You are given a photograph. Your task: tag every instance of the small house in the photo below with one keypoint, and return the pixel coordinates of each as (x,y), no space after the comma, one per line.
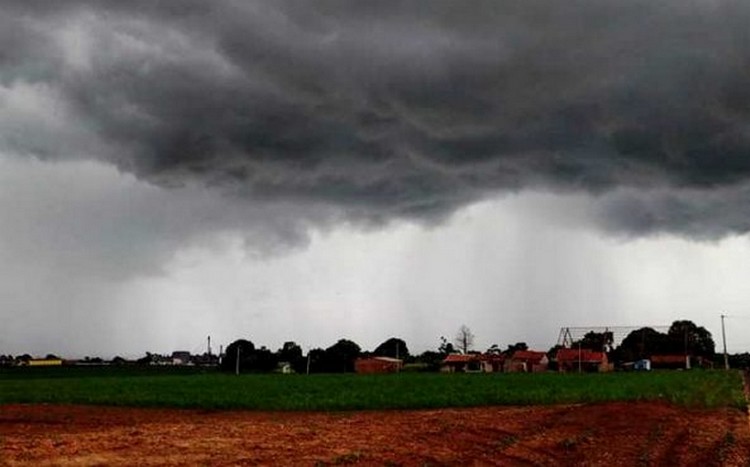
(527,361)
(571,360)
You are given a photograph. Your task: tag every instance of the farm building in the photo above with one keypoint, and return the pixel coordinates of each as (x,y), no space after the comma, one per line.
(472,363)
(378,365)
(570,360)
(529,361)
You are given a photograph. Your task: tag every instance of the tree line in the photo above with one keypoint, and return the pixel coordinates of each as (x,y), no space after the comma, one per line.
(682,338)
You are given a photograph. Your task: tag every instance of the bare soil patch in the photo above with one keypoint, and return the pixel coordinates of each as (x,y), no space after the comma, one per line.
(598,434)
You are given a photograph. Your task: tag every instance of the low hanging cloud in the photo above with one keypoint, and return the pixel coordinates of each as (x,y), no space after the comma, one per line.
(395,109)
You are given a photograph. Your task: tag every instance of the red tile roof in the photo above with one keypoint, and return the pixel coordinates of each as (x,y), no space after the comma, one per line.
(528,355)
(460,358)
(586,355)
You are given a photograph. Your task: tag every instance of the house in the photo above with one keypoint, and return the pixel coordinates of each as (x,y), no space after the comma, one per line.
(472,363)
(527,361)
(572,360)
(492,363)
(378,365)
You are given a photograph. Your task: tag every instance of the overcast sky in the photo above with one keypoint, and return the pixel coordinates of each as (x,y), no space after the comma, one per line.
(311,171)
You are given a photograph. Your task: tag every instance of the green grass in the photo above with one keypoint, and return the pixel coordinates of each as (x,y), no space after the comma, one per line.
(213,390)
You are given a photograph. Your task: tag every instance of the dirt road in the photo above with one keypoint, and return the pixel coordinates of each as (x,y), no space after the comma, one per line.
(601,434)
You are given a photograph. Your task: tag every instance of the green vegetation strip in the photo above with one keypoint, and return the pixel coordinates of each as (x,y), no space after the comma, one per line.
(212,390)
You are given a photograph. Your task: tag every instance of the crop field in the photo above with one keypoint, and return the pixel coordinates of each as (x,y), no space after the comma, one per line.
(169,416)
(193,388)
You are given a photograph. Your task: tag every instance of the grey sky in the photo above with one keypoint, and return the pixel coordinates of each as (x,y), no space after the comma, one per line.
(309,171)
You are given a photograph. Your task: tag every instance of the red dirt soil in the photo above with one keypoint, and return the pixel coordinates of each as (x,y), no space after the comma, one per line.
(598,434)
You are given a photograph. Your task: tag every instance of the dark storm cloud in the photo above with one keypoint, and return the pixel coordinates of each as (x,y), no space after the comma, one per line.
(398,109)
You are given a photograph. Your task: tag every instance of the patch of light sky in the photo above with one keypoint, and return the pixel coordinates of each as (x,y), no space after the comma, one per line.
(513,268)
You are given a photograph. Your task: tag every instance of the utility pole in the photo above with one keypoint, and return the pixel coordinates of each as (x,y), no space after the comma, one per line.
(209,346)
(687,355)
(398,367)
(308,361)
(724,339)
(580,369)
(237,363)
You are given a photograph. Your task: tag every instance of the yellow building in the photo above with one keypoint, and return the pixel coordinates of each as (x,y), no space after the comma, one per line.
(45,362)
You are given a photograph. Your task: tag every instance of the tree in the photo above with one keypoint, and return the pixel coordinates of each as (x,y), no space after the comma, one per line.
(642,343)
(445,347)
(340,357)
(263,360)
(430,360)
(292,353)
(688,338)
(246,350)
(552,357)
(683,337)
(494,350)
(317,358)
(394,348)
(512,348)
(464,339)
(598,341)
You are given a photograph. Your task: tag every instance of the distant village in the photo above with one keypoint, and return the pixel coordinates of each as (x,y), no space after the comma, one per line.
(684,345)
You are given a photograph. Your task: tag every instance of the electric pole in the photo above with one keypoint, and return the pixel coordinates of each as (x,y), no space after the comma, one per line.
(237,363)
(724,339)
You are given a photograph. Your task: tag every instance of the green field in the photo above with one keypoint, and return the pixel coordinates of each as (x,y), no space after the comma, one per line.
(212,390)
